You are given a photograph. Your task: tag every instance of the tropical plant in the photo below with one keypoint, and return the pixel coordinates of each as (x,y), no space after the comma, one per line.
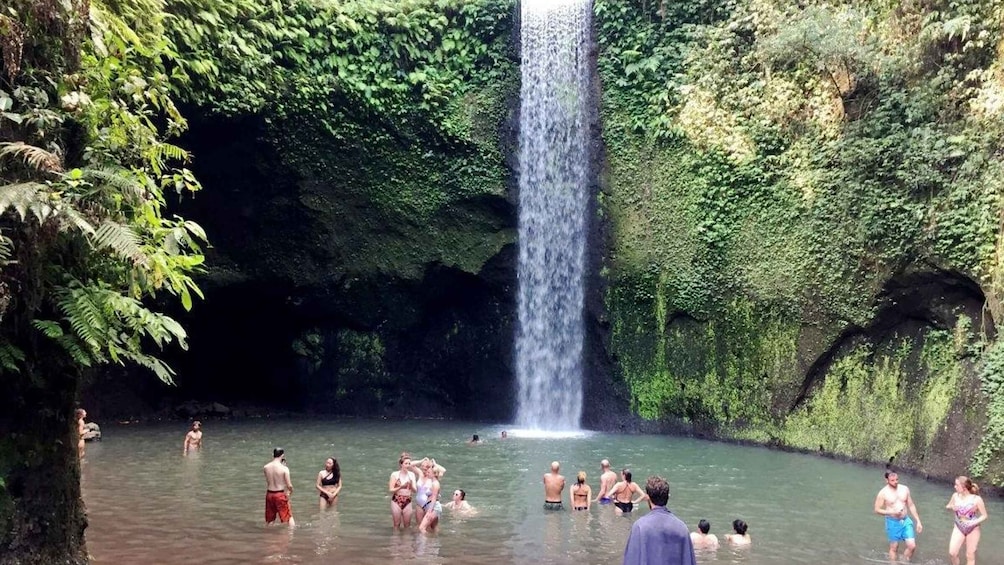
(87,246)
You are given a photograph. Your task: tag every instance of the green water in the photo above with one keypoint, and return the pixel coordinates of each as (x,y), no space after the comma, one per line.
(148,504)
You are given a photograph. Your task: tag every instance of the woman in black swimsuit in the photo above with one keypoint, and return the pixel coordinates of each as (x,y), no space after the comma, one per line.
(329,483)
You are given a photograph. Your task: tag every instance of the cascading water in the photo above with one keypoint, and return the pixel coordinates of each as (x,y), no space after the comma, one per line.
(553,185)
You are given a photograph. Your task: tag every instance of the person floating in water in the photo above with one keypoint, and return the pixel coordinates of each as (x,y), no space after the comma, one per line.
(505,434)
(659,537)
(475,440)
(329,483)
(554,484)
(193,439)
(623,493)
(607,480)
(740,537)
(459,502)
(893,502)
(580,493)
(701,538)
(279,487)
(81,430)
(967,505)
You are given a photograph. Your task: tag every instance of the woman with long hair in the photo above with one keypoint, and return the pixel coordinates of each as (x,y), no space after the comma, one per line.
(329,483)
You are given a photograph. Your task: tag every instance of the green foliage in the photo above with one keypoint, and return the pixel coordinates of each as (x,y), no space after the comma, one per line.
(793,157)
(361,370)
(84,176)
(988,460)
(380,113)
(866,409)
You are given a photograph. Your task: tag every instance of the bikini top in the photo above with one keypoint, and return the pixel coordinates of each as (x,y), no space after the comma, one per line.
(331,480)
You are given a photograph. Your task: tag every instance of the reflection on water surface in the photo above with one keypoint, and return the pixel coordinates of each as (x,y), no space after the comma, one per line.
(148,504)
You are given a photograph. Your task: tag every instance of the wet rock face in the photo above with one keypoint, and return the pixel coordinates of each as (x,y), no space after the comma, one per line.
(322,297)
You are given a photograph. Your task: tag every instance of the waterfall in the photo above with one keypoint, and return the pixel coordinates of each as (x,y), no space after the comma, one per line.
(553,196)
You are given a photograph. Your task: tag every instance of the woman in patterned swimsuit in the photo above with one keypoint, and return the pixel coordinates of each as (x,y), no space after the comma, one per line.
(970,512)
(401,487)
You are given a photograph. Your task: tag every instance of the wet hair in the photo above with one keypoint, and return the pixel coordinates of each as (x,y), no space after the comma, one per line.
(196,423)
(463,495)
(656,488)
(581,477)
(890,473)
(80,413)
(278,452)
(704,526)
(334,466)
(739,526)
(970,486)
(475,438)
(627,476)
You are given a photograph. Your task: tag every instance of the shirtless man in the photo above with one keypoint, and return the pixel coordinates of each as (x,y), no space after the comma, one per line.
(193,439)
(893,501)
(554,484)
(607,480)
(701,539)
(278,483)
(81,429)
(622,493)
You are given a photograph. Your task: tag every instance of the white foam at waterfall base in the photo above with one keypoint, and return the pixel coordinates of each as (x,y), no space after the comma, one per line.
(553,182)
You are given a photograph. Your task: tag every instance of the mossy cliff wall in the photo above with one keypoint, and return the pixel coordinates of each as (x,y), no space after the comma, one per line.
(804,209)
(358,199)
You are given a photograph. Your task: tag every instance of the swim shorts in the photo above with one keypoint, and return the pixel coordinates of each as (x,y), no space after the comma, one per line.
(897,529)
(277,503)
(553,505)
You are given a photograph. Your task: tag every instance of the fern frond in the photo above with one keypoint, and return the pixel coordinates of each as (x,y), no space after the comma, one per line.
(6,250)
(70,216)
(120,239)
(81,356)
(83,315)
(159,368)
(49,328)
(35,157)
(11,357)
(163,151)
(25,197)
(120,179)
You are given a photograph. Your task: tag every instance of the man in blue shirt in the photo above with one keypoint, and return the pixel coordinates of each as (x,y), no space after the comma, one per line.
(659,536)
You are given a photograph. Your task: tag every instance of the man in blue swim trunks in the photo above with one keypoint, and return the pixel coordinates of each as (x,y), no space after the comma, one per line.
(607,480)
(893,502)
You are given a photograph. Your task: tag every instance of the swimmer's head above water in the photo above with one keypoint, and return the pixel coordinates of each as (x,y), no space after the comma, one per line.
(704,526)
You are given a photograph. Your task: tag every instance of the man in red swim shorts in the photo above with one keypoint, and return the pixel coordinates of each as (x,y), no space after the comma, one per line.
(278,484)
